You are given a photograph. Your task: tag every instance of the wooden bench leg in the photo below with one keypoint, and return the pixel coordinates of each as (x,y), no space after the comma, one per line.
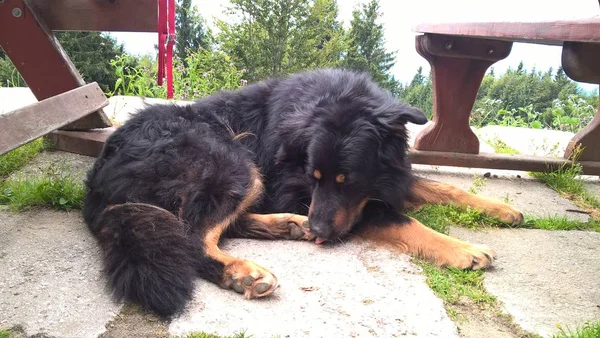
(589,140)
(580,62)
(458,65)
(39,58)
(28,123)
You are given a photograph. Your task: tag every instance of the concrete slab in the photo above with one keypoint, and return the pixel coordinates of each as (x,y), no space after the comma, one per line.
(12,98)
(543,278)
(527,141)
(348,290)
(120,108)
(67,164)
(51,281)
(592,185)
(524,193)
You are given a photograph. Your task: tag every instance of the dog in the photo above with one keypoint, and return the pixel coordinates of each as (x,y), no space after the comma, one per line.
(316,156)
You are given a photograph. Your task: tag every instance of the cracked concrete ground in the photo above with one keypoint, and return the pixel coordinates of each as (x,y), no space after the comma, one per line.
(51,283)
(543,278)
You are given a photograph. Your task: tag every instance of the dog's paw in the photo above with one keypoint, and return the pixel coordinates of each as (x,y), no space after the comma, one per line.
(470,256)
(507,214)
(299,228)
(249,279)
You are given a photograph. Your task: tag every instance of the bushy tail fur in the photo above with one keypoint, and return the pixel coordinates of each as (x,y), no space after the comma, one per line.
(148,256)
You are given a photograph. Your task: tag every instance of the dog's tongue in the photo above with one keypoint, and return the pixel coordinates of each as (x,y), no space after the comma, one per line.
(319,240)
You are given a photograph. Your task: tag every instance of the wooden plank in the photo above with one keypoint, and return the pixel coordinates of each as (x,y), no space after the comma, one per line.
(543,32)
(98,15)
(581,61)
(26,124)
(40,59)
(497,161)
(89,143)
(467,48)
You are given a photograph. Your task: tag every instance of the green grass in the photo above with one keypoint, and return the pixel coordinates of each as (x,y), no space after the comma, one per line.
(49,190)
(559,223)
(567,180)
(17,158)
(438,217)
(5,333)
(451,284)
(209,335)
(588,330)
(502,148)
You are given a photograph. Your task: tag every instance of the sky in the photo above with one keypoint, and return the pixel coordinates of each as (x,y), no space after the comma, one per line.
(399,18)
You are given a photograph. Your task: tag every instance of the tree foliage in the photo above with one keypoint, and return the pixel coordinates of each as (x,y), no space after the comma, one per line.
(273,37)
(90,52)
(191,29)
(366,50)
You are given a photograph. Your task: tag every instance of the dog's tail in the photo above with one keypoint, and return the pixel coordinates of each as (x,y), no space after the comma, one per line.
(148,256)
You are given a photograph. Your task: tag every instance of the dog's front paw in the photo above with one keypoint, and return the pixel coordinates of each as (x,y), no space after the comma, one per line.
(469,256)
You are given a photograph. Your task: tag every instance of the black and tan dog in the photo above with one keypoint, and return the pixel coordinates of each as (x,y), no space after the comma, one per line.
(325,148)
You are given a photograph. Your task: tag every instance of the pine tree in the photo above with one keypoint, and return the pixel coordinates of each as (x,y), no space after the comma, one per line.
(277,37)
(192,33)
(366,50)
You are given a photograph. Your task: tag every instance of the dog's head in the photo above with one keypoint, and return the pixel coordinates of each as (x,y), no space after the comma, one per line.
(357,155)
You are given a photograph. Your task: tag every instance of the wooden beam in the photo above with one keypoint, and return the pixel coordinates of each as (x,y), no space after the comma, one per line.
(29,123)
(89,143)
(40,59)
(98,15)
(497,161)
(546,32)
(581,61)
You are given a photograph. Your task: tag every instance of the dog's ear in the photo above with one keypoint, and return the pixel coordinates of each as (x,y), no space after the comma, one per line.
(398,114)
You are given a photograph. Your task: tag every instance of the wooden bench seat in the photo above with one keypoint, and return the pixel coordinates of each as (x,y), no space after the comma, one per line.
(461,53)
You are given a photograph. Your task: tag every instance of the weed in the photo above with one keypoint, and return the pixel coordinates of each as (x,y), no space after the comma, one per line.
(588,330)
(450,284)
(500,147)
(17,158)
(559,223)
(566,180)
(478,184)
(438,217)
(51,189)
(209,335)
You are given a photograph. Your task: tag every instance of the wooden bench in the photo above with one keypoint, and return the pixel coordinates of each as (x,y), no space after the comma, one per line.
(460,54)
(27,38)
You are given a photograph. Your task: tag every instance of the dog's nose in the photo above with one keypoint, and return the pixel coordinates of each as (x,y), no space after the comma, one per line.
(321,230)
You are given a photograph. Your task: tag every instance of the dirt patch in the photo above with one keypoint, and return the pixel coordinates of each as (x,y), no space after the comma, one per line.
(487,320)
(132,321)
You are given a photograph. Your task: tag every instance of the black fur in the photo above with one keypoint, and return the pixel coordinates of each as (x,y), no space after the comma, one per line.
(170,173)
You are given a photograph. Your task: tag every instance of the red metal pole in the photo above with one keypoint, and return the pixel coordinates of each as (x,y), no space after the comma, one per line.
(170,43)
(162,33)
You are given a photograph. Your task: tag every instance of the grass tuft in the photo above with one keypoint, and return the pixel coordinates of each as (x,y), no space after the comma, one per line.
(5,334)
(209,335)
(588,330)
(451,284)
(502,148)
(567,181)
(49,190)
(17,158)
(438,217)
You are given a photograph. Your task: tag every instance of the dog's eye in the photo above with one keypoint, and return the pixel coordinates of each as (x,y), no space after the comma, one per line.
(317,174)
(340,178)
